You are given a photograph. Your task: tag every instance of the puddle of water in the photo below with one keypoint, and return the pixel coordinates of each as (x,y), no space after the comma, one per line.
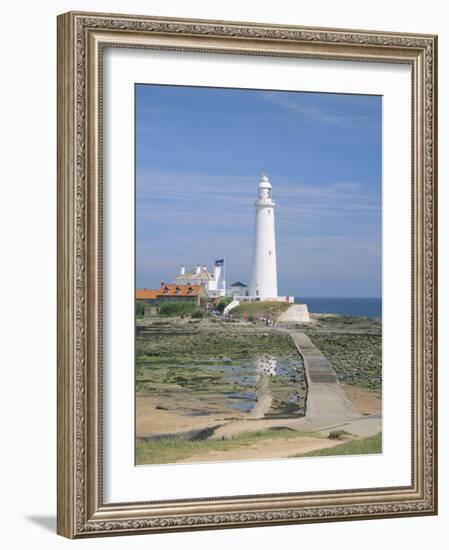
(242,395)
(233,384)
(244,406)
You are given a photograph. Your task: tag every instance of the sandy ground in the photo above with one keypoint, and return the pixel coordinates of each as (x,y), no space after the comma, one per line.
(178,412)
(365,401)
(153,421)
(274,448)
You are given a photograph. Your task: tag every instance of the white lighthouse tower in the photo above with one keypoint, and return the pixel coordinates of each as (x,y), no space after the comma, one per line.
(264,274)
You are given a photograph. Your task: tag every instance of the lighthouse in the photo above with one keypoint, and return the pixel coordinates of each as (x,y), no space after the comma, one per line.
(264,274)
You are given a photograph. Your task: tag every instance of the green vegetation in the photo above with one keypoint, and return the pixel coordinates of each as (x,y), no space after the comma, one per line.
(170,344)
(197,314)
(158,378)
(223,302)
(140,308)
(196,366)
(177,309)
(353,346)
(338,434)
(363,446)
(163,451)
(356,357)
(329,322)
(269,309)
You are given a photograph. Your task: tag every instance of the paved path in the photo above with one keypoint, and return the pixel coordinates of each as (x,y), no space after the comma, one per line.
(328,408)
(325,396)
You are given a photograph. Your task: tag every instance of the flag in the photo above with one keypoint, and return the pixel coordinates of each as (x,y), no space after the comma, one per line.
(219,262)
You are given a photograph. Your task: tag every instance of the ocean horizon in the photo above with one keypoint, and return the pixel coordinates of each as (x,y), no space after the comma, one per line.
(355,307)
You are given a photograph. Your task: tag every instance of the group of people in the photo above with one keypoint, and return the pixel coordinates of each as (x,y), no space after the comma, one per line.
(261,318)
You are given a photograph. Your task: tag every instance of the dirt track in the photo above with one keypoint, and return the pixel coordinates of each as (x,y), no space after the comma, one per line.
(267,449)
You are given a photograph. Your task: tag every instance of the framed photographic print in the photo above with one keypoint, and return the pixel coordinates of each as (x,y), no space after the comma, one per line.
(246,274)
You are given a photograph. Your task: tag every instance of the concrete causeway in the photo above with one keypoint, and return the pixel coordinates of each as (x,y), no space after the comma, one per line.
(327,409)
(325,396)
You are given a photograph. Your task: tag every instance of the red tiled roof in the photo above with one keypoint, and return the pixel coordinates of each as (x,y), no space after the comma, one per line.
(145,294)
(168,290)
(180,290)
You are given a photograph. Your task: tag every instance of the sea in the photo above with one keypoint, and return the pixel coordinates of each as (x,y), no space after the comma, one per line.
(355,307)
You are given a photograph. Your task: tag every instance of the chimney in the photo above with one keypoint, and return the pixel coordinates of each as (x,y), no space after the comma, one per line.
(204,268)
(198,269)
(183,270)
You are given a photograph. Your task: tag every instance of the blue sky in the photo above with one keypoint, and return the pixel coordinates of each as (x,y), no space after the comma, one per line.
(199,156)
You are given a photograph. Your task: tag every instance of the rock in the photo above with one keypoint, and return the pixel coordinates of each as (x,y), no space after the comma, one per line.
(297,313)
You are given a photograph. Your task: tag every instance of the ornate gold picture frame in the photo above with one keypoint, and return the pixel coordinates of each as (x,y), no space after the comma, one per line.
(82,40)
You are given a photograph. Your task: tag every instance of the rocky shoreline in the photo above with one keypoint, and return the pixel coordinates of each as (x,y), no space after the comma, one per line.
(212,367)
(206,376)
(353,346)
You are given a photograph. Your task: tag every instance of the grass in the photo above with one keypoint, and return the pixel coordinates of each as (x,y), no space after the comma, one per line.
(363,446)
(165,451)
(272,309)
(175,309)
(140,308)
(221,304)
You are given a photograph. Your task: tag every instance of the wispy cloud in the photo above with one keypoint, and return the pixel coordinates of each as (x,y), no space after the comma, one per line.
(192,217)
(197,159)
(228,196)
(311,112)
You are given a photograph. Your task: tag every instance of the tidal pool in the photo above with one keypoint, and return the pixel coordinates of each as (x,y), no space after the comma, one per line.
(261,387)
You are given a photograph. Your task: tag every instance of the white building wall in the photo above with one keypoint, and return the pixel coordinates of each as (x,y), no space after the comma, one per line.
(264,274)
(238,291)
(214,287)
